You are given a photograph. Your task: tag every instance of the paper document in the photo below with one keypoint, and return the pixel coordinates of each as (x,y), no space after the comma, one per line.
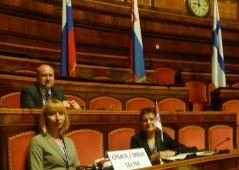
(205,153)
(177,157)
(183,155)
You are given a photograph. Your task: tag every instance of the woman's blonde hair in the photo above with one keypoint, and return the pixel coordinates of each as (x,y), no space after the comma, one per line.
(53,106)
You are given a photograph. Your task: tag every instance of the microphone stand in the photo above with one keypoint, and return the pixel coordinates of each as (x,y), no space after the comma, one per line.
(222,151)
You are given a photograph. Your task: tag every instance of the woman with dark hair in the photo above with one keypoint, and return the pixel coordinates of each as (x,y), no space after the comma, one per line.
(51,149)
(150,139)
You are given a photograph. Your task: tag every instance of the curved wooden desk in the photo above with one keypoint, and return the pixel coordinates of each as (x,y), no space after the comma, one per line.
(14,121)
(228,161)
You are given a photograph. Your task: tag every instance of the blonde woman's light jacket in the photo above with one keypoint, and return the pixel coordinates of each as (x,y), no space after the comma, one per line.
(44,153)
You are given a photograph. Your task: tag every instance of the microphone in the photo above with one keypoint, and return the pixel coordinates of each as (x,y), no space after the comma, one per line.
(221,143)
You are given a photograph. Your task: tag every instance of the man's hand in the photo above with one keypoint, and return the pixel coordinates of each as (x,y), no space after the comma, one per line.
(71,104)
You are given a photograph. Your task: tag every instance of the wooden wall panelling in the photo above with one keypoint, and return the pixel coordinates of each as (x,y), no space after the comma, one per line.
(120,74)
(11,64)
(221,95)
(87,90)
(88,72)
(203,76)
(219,162)
(109,25)
(185,76)
(142,2)
(176,5)
(228,10)
(13,121)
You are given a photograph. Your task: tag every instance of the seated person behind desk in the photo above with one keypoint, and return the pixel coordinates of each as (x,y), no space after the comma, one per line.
(34,96)
(150,139)
(51,149)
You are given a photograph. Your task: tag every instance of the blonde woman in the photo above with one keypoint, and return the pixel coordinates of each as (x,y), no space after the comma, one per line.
(51,149)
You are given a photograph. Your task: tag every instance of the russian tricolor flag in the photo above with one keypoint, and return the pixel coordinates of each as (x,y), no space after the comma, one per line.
(68,52)
(136,46)
(218,70)
(157,121)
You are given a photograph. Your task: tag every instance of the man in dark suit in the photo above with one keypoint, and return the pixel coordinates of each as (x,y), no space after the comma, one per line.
(36,95)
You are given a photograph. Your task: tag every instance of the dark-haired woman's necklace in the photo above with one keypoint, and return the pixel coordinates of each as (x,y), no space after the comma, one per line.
(153,148)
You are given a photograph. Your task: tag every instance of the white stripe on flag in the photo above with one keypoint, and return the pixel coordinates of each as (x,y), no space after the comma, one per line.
(63,14)
(137,28)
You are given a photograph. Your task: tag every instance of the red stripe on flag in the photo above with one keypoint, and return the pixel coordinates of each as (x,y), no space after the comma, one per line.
(71,53)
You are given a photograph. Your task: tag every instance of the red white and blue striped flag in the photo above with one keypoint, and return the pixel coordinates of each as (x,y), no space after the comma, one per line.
(136,46)
(157,121)
(218,69)
(68,52)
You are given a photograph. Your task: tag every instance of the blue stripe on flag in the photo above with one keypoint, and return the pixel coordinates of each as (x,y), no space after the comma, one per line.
(139,69)
(216,43)
(69,18)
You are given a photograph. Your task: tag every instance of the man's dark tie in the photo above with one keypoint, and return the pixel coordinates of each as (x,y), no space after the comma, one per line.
(47,96)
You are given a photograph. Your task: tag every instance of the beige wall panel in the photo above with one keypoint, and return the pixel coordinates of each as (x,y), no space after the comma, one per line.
(227,9)
(170,4)
(143,2)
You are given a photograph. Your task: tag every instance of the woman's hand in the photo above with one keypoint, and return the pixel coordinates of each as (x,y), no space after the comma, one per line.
(167,154)
(162,155)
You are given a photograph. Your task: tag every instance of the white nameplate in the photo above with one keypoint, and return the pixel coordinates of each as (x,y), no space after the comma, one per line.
(129,159)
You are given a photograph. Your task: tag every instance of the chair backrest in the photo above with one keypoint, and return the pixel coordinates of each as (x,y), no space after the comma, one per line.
(131,80)
(89,145)
(235,85)
(172,104)
(192,135)
(232,105)
(164,75)
(17,150)
(11,100)
(104,78)
(138,103)
(197,95)
(211,88)
(80,101)
(169,131)
(105,103)
(197,91)
(29,72)
(219,133)
(119,139)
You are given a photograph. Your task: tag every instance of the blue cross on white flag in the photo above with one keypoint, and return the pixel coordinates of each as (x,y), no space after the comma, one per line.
(218,70)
